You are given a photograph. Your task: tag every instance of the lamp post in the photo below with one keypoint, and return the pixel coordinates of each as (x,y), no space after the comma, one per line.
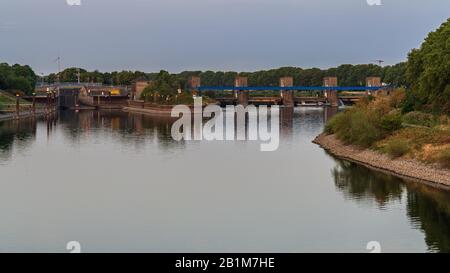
(18,105)
(48,100)
(34,103)
(54,100)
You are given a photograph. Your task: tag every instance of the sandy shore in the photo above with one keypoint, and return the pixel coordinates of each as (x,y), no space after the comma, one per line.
(404,168)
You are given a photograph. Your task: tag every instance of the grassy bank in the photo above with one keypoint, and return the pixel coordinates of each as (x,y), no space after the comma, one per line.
(8,100)
(379,124)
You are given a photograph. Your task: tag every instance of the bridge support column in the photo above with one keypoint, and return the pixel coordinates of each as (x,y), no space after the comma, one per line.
(242,95)
(331,95)
(373,82)
(194,83)
(287,95)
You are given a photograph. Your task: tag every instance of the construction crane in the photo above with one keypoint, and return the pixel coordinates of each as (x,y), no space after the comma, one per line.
(58,60)
(379,62)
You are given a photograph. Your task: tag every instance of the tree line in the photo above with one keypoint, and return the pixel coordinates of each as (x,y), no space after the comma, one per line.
(348,75)
(17,78)
(425,75)
(24,78)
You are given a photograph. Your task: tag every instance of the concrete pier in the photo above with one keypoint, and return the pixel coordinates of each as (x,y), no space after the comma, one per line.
(194,83)
(287,95)
(331,95)
(373,82)
(241,95)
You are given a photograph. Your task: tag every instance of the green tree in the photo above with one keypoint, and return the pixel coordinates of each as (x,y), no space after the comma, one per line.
(428,73)
(164,87)
(17,77)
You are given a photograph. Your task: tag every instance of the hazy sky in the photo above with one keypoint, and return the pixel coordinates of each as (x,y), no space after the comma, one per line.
(241,35)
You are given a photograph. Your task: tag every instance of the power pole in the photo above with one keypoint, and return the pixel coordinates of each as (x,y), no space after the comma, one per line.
(78,75)
(58,60)
(58,77)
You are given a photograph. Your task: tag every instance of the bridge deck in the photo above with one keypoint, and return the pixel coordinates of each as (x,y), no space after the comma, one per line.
(292,88)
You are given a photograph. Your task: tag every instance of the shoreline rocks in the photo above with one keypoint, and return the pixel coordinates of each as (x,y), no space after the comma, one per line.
(404,168)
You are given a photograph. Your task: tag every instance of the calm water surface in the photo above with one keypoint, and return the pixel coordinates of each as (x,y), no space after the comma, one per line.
(118,182)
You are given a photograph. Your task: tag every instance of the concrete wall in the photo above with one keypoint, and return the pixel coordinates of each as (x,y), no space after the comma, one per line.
(242,96)
(194,83)
(331,95)
(373,81)
(330,81)
(138,87)
(287,95)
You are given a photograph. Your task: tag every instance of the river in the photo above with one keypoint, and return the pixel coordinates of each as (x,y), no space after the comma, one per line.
(118,182)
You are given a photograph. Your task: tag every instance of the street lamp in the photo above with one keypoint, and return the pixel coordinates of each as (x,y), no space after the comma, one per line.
(34,102)
(18,105)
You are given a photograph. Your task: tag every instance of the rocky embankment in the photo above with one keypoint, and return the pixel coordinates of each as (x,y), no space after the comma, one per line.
(405,168)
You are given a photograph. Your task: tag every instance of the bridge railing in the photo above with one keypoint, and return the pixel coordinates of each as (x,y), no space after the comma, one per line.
(67,84)
(292,88)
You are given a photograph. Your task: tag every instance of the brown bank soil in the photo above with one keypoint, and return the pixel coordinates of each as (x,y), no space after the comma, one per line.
(404,168)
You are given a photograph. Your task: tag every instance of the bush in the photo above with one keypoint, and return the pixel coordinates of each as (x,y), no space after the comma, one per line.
(392,121)
(419,118)
(355,126)
(444,158)
(397,148)
(365,123)
(331,125)
(397,98)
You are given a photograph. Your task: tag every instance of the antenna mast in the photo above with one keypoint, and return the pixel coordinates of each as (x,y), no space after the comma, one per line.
(380,62)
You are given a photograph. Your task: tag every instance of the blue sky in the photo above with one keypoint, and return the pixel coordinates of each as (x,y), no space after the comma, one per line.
(240,35)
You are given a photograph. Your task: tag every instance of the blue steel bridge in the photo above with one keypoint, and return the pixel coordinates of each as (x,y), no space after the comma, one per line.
(291,88)
(288,94)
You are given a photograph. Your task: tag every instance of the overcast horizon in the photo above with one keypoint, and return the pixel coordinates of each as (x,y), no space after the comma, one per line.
(227,35)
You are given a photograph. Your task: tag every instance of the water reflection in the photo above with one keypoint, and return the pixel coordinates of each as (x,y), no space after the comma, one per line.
(277,192)
(128,128)
(15,132)
(362,184)
(428,208)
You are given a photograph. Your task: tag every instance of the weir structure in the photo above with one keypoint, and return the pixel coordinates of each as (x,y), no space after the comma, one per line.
(329,94)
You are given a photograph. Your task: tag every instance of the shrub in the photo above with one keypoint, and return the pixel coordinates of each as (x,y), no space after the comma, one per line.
(397,147)
(356,126)
(444,158)
(419,118)
(330,127)
(392,121)
(444,120)
(397,98)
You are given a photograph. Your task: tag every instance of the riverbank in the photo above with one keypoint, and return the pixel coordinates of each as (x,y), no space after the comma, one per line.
(404,168)
(26,114)
(153,109)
